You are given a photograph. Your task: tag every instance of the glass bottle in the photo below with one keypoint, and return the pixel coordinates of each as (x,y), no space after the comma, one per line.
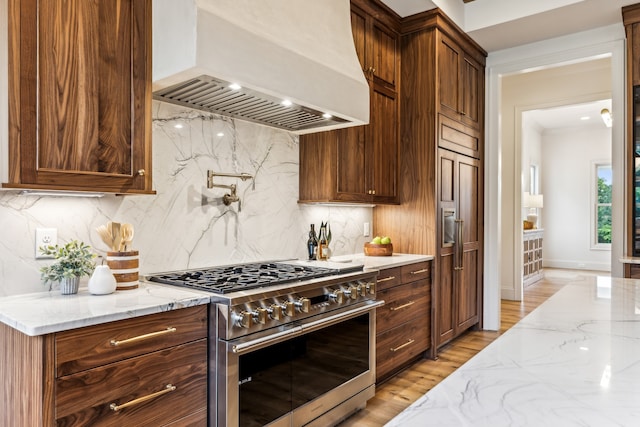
(323,245)
(312,243)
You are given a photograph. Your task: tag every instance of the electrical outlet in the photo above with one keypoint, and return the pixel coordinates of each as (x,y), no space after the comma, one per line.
(366,230)
(45,237)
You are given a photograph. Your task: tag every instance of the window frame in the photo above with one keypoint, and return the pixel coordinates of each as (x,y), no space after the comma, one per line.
(595,245)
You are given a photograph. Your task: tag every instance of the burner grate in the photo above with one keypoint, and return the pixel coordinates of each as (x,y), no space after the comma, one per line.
(224,280)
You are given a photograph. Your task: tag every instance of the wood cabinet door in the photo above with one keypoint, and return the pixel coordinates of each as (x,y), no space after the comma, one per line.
(80,91)
(460,84)
(385,55)
(459,292)
(352,172)
(382,136)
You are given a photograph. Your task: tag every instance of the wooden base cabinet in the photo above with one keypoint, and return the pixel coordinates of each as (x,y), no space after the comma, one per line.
(144,371)
(80,95)
(403,324)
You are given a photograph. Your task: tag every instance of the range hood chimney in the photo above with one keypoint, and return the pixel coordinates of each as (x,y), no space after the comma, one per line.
(275,50)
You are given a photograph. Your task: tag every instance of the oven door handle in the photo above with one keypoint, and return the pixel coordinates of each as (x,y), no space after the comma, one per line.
(340,317)
(271,339)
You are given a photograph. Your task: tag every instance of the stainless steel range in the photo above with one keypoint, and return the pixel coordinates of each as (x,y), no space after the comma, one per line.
(291,343)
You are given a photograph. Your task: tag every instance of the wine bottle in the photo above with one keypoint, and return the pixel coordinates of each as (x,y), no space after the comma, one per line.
(312,243)
(323,245)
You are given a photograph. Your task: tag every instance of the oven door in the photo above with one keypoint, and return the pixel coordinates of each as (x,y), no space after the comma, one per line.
(300,373)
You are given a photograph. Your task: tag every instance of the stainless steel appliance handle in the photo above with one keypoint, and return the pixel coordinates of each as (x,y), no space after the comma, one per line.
(340,317)
(270,339)
(459,246)
(275,338)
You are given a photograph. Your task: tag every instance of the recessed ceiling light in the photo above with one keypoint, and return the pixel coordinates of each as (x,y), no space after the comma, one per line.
(235,86)
(287,103)
(583,118)
(327,115)
(178,126)
(220,134)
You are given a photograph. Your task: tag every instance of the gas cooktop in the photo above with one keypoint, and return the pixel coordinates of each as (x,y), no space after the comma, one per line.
(226,279)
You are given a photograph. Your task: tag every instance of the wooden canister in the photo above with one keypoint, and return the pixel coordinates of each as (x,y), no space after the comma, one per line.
(125,267)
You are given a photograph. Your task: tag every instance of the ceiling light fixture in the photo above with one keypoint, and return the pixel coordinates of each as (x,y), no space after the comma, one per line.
(235,86)
(287,103)
(607,118)
(584,118)
(327,115)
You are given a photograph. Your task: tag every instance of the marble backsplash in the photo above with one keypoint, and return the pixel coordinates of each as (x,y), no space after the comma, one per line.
(186,225)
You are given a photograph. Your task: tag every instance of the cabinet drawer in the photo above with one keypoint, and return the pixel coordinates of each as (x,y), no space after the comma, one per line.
(457,137)
(86,398)
(389,278)
(399,345)
(417,271)
(402,304)
(85,348)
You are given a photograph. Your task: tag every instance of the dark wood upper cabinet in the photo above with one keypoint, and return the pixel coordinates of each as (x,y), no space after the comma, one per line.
(80,95)
(360,164)
(460,85)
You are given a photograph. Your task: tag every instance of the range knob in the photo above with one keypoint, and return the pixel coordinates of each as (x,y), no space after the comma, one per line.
(362,289)
(289,308)
(275,311)
(244,319)
(337,296)
(260,315)
(351,292)
(371,287)
(303,304)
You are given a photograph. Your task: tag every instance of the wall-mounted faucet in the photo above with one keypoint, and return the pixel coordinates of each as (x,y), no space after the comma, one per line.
(232,196)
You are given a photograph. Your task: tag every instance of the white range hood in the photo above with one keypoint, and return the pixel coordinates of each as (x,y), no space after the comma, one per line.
(296,50)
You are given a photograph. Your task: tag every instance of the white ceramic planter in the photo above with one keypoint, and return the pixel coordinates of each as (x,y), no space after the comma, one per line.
(102,281)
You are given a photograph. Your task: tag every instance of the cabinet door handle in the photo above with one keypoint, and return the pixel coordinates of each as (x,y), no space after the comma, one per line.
(424,270)
(460,246)
(167,389)
(115,343)
(386,279)
(400,307)
(411,341)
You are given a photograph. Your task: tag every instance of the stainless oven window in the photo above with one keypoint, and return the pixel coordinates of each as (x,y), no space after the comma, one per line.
(280,378)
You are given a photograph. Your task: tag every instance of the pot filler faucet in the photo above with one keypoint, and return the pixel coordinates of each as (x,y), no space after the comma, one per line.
(232,196)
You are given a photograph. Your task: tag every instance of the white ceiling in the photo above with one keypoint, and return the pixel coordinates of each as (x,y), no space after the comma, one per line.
(570,116)
(503,24)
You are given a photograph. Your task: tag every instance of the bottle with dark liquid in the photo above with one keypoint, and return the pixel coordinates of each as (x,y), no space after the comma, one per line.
(323,244)
(312,243)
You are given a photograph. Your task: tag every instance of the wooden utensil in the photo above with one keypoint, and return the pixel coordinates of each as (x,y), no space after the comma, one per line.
(126,230)
(116,234)
(105,235)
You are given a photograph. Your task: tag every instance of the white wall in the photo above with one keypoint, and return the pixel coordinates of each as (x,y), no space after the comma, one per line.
(186,225)
(568,161)
(560,85)
(501,208)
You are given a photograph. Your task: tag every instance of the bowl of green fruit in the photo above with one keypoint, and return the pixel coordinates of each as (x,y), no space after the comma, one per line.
(379,246)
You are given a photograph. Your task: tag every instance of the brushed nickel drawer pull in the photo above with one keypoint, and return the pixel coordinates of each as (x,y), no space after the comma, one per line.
(400,307)
(424,270)
(403,345)
(386,279)
(115,343)
(168,388)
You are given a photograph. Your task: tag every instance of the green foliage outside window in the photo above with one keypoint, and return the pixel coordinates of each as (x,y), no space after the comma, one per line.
(604,211)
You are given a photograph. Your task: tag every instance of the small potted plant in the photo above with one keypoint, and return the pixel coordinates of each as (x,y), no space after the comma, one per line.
(73,261)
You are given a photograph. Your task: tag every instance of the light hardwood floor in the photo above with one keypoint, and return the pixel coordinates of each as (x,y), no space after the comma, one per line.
(399,392)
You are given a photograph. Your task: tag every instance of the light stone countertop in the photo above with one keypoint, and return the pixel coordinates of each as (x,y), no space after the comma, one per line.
(47,312)
(381,262)
(571,362)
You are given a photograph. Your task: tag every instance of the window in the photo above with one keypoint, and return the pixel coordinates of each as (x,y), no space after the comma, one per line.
(533,179)
(603,205)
